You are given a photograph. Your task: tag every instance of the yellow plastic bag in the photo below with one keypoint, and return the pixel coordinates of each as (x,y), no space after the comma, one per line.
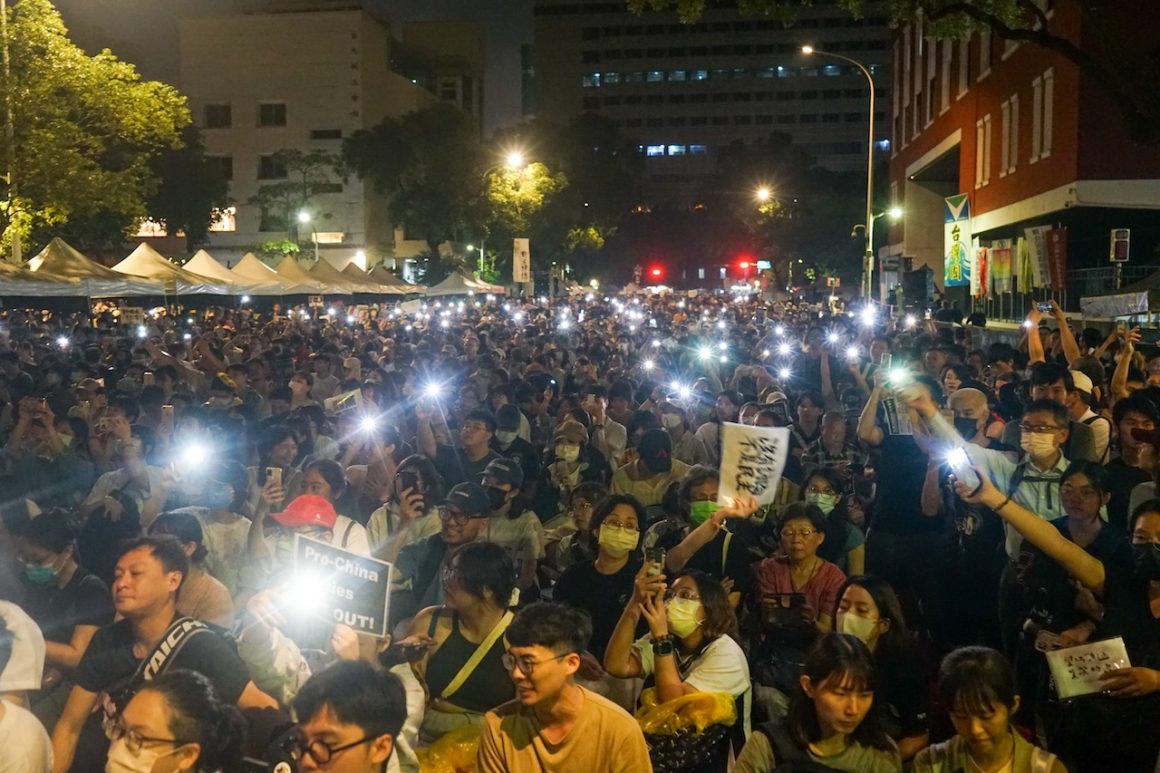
(699,710)
(455,752)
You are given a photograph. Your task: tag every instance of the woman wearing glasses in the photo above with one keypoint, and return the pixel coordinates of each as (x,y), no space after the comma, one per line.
(457,649)
(175,723)
(690,648)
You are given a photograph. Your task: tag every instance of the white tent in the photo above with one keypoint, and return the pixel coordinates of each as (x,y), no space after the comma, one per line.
(144,261)
(252,268)
(356,274)
(18,280)
(384,277)
(206,265)
(335,280)
(59,262)
(461,284)
(293,273)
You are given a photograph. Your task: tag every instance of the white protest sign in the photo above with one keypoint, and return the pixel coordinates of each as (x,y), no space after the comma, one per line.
(340,586)
(752,460)
(1077,670)
(897,417)
(346,401)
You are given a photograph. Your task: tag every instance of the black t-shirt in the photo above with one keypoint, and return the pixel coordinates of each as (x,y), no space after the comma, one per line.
(901,473)
(904,689)
(524,453)
(735,560)
(453,464)
(109,664)
(1122,479)
(603,596)
(1127,613)
(85,600)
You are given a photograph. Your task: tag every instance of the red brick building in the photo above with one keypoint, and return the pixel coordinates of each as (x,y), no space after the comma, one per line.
(1031,140)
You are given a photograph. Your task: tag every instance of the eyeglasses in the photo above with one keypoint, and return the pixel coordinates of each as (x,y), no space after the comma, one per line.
(455,516)
(1039,429)
(683,595)
(474,426)
(625,526)
(134,741)
(525,662)
(583,506)
(803,533)
(321,752)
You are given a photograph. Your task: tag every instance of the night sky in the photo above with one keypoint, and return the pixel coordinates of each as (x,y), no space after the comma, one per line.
(144,32)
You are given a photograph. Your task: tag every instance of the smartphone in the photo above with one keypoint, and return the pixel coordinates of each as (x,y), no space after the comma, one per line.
(783,610)
(960,465)
(147,378)
(655,558)
(1044,307)
(167,413)
(885,360)
(274,474)
(408,480)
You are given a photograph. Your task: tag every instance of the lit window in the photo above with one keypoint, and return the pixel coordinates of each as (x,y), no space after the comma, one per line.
(149,228)
(700,273)
(676,150)
(611,77)
(656,76)
(654,150)
(224,219)
(832,70)
(590,80)
(699,75)
(698,150)
(722,272)
(786,72)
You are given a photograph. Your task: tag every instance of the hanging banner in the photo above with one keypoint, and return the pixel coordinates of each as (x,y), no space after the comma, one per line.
(521,261)
(1037,254)
(983,267)
(1001,250)
(1057,257)
(752,460)
(1022,266)
(978,277)
(957,241)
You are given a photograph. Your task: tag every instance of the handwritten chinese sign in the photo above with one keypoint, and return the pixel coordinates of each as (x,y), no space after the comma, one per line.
(1077,670)
(752,460)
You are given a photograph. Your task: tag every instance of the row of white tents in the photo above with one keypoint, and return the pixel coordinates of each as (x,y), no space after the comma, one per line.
(60,271)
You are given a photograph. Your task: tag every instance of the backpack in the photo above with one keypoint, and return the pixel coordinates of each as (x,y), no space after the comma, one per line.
(788,757)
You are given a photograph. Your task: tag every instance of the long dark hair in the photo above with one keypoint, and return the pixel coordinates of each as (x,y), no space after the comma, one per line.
(837,520)
(720,619)
(846,660)
(196,715)
(895,644)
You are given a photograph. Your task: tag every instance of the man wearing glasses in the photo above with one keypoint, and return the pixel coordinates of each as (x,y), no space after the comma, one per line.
(465,461)
(554,724)
(350,716)
(415,583)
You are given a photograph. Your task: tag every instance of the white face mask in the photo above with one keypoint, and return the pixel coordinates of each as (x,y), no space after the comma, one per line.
(506,437)
(1037,444)
(854,625)
(672,420)
(567,453)
(121,760)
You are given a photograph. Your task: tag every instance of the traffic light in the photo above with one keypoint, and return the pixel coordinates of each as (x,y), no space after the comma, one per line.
(656,273)
(1120,246)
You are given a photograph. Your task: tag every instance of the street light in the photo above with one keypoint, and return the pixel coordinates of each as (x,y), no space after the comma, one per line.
(305,218)
(893,213)
(515,161)
(763,194)
(868,269)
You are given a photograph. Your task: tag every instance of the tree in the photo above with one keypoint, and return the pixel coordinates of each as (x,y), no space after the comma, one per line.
(85,131)
(307,174)
(191,191)
(427,163)
(1129,76)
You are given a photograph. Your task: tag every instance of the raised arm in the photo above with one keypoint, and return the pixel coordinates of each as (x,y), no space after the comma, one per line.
(1071,350)
(868,430)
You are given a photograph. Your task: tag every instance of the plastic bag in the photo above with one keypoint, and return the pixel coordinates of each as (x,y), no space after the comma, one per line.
(698,710)
(454,752)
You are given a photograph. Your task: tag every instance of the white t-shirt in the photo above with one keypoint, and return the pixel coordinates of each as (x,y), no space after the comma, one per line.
(1101,432)
(381,536)
(150,498)
(26,666)
(225,544)
(25,742)
(722,667)
(522,537)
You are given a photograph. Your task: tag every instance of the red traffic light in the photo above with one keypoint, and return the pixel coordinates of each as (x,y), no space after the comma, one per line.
(743,265)
(656,272)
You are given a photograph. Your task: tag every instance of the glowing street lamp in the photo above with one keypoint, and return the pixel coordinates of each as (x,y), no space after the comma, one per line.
(763,194)
(305,219)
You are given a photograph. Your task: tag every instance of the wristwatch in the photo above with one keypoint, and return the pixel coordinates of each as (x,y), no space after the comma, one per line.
(662,646)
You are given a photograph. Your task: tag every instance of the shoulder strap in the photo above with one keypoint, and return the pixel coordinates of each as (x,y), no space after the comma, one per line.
(174,639)
(784,749)
(434,622)
(725,551)
(346,532)
(480,651)
(1016,478)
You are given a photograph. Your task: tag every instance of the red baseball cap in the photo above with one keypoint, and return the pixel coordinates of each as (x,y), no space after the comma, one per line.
(307,510)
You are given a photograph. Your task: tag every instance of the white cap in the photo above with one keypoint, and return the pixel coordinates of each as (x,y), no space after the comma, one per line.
(26,666)
(1082,382)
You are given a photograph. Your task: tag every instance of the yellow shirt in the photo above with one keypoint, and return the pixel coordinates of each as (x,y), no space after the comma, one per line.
(604,738)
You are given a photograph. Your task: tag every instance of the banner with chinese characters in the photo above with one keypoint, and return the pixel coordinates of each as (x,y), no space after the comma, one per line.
(1057,257)
(752,460)
(1037,255)
(1001,254)
(978,270)
(521,261)
(957,241)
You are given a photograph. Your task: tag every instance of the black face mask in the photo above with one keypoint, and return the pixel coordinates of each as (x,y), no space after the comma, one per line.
(1146,561)
(496,497)
(967,428)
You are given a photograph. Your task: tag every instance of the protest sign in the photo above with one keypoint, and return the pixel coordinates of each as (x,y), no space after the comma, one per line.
(752,460)
(340,586)
(897,417)
(346,401)
(1077,670)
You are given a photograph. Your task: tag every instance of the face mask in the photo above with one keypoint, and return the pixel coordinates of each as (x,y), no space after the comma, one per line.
(506,437)
(40,575)
(617,541)
(66,438)
(567,453)
(825,502)
(1146,561)
(682,616)
(496,497)
(852,624)
(121,760)
(1037,444)
(672,420)
(967,428)
(702,511)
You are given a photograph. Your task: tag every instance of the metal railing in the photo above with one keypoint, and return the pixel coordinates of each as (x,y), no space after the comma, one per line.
(1081,283)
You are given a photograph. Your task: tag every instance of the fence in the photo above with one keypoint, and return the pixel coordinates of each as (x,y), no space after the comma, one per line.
(1081,283)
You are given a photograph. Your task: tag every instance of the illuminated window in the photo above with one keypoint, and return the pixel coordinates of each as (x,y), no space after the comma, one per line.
(656,76)
(698,150)
(832,70)
(150,228)
(676,150)
(224,220)
(699,75)
(654,150)
(611,77)
(590,80)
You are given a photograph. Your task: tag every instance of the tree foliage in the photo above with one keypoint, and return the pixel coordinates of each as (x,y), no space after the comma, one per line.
(307,175)
(1129,77)
(86,130)
(190,191)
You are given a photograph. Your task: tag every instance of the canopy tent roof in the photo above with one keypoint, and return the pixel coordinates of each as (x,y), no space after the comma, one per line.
(252,268)
(144,261)
(362,277)
(59,262)
(381,275)
(206,265)
(461,284)
(337,281)
(293,273)
(18,280)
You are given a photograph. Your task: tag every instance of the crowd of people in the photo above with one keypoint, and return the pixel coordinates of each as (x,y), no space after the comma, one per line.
(543,477)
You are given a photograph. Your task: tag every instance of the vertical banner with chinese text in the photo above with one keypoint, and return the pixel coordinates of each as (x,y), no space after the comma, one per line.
(957,241)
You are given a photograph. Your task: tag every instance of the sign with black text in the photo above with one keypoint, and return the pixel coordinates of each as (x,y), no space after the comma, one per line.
(340,586)
(752,460)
